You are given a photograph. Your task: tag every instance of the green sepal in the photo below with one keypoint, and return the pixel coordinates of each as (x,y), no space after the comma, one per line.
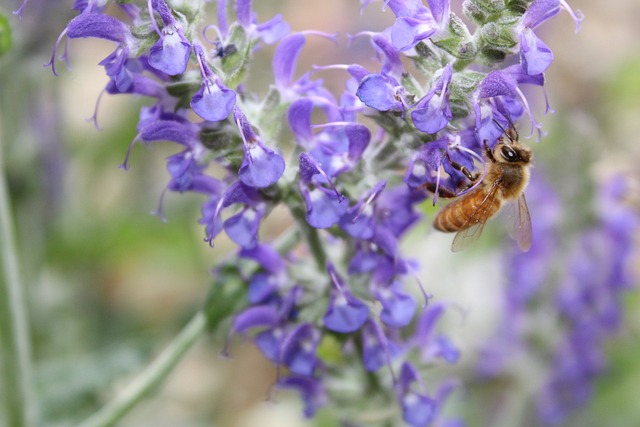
(459,43)
(411,86)
(464,82)
(235,64)
(184,87)
(224,143)
(271,111)
(499,35)
(428,61)
(227,295)
(145,36)
(483,11)
(518,7)
(6,39)
(222,139)
(190,10)
(497,40)
(462,85)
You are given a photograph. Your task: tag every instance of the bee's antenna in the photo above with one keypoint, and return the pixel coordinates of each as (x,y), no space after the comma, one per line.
(511,127)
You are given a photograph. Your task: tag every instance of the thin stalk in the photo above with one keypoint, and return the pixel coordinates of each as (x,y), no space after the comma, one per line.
(17,374)
(311,237)
(163,365)
(151,377)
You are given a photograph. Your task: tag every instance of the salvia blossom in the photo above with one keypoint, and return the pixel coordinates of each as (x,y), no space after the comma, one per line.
(351,186)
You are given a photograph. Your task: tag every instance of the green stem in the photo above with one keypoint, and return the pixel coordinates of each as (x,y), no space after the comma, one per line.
(311,236)
(163,365)
(17,377)
(151,377)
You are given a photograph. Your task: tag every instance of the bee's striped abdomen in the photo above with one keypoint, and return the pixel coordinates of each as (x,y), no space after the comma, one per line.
(455,215)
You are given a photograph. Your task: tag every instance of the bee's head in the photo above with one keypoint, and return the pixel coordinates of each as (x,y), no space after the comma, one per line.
(511,152)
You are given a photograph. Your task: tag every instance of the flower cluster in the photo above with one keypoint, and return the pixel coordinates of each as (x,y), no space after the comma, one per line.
(586,295)
(343,283)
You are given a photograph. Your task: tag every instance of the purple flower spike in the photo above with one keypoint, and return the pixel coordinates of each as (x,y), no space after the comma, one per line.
(299,349)
(380,92)
(535,56)
(345,313)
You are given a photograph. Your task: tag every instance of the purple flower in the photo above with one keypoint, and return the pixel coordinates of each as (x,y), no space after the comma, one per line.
(284,63)
(311,389)
(345,312)
(398,307)
(359,221)
(213,101)
(535,56)
(261,166)
(170,54)
(418,409)
(414,22)
(377,349)
(299,349)
(432,113)
(381,92)
(269,32)
(118,65)
(325,206)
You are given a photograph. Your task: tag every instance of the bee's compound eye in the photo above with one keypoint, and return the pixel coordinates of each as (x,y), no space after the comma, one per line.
(509,153)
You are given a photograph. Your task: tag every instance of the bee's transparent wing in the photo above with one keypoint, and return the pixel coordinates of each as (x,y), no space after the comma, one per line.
(520,223)
(473,226)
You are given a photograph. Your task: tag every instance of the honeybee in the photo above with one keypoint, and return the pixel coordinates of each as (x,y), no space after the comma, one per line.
(507,176)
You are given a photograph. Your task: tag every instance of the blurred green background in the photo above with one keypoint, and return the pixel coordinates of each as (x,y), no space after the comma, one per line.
(108,284)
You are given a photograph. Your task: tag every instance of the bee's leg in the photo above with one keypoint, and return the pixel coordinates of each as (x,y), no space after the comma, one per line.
(442,192)
(457,166)
(488,152)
